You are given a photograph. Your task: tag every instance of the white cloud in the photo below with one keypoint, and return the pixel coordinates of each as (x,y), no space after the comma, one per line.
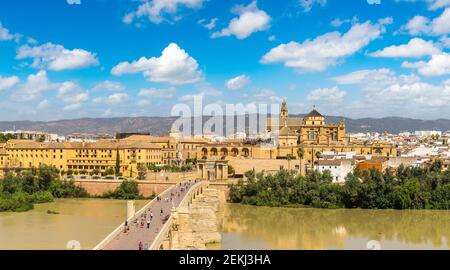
(445,42)
(116,98)
(373,2)
(375,79)
(422,25)
(272,38)
(338,22)
(308,4)
(437,4)
(250,20)
(207,92)
(417,25)
(8,82)
(5,34)
(208,25)
(143,102)
(326,50)
(72,95)
(416,47)
(56,57)
(385,93)
(156,10)
(157,93)
(74,2)
(34,86)
(438,65)
(332,95)
(238,82)
(112,99)
(174,66)
(109,86)
(43,104)
(72,107)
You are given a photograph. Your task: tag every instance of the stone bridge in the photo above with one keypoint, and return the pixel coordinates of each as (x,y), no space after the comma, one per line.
(184,218)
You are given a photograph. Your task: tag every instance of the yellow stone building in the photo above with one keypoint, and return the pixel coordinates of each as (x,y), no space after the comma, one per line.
(309,136)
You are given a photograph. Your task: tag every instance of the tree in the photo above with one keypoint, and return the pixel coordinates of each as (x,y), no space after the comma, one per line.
(128,190)
(231,170)
(142,171)
(301,155)
(109,171)
(117,169)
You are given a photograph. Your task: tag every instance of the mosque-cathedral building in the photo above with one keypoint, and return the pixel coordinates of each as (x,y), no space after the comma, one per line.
(306,137)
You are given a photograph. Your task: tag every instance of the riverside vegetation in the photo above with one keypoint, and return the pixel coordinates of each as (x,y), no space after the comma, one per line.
(20,190)
(404,188)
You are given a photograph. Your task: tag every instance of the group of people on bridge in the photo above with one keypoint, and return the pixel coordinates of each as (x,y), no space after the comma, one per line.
(144,221)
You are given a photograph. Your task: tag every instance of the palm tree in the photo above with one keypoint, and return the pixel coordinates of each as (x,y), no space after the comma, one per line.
(289,157)
(301,155)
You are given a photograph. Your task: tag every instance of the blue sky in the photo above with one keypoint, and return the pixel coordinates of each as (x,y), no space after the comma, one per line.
(64,59)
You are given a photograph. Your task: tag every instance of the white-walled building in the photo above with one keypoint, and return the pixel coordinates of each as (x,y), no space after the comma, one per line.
(339,168)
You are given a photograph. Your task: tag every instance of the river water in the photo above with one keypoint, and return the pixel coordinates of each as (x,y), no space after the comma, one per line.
(87,221)
(251,227)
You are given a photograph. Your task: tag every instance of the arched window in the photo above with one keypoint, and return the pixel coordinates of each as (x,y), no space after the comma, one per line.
(312,136)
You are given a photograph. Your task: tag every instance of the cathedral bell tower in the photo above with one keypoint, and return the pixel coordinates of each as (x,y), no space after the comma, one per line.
(284,110)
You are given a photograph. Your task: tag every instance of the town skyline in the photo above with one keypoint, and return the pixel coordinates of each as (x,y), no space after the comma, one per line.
(373,59)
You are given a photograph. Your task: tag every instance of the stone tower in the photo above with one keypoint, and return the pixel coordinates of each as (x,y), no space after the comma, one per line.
(284,110)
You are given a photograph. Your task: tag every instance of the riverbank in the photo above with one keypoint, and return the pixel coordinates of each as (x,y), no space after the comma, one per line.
(20,191)
(85,220)
(405,188)
(259,227)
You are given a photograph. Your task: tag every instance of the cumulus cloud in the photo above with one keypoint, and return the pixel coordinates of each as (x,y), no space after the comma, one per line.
(5,34)
(56,57)
(109,86)
(207,92)
(326,50)
(74,2)
(37,84)
(112,99)
(438,65)
(238,82)
(437,4)
(386,93)
(415,48)
(157,93)
(338,22)
(157,10)
(72,95)
(419,25)
(251,19)
(373,79)
(208,25)
(373,2)
(34,86)
(307,5)
(174,66)
(43,104)
(332,95)
(8,82)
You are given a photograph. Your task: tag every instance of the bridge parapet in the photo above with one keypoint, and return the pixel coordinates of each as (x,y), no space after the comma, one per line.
(120,228)
(171,225)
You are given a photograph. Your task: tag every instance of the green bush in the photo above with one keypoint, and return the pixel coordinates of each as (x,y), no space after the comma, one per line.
(405,188)
(20,190)
(127,190)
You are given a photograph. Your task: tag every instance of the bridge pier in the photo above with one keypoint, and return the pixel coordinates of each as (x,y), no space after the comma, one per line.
(197,224)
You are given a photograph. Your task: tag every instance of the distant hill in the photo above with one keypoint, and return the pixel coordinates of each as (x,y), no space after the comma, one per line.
(162,125)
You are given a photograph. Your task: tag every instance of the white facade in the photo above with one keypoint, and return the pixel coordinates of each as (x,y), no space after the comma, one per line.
(339,168)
